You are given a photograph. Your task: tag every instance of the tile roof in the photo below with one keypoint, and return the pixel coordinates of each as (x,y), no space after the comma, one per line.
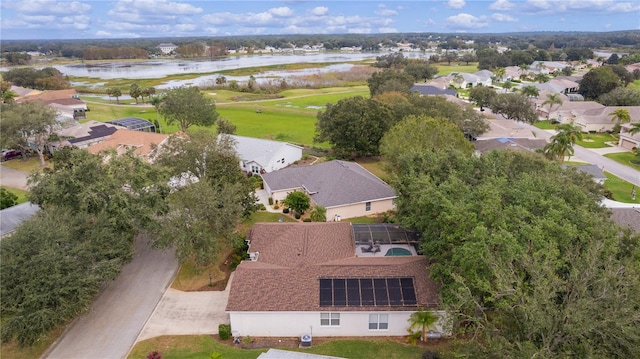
(258,150)
(122,140)
(95,132)
(331,184)
(528,144)
(431,90)
(49,95)
(294,256)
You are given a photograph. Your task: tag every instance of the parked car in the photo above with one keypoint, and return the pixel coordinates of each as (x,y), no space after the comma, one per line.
(10,154)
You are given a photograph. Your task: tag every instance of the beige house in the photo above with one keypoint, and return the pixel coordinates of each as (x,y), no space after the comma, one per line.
(330,279)
(143,144)
(591,116)
(345,189)
(627,140)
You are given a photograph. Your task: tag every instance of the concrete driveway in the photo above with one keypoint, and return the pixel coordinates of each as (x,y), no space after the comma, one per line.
(121,310)
(188,313)
(13,178)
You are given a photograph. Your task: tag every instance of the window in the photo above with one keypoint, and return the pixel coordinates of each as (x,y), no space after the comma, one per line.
(330,319)
(255,169)
(378,321)
(367,206)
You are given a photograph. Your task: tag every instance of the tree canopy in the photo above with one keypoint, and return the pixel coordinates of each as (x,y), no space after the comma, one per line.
(298,201)
(527,256)
(598,81)
(188,106)
(514,106)
(389,80)
(482,96)
(354,126)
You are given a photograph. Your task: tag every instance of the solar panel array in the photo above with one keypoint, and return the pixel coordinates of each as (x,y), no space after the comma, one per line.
(367,292)
(383,233)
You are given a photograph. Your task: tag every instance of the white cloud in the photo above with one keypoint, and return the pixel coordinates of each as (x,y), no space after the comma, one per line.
(48,7)
(456,4)
(503,17)
(211,30)
(501,5)
(155,7)
(319,10)
(184,27)
(386,12)
(387,30)
(466,21)
(281,11)
(557,6)
(429,22)
(102,33)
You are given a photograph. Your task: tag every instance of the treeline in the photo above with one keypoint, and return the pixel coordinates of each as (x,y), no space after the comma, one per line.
(521,41)
(107,53)
(17,58)
(48,78)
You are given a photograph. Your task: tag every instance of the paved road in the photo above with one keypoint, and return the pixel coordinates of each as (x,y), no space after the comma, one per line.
(13,178)
(121,310)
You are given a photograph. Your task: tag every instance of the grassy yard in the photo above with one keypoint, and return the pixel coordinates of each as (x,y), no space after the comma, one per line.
(27,166)
(545,125)
(620,188)
(596,140)
(445,69)
(374,166)
(22,195)
(624,158)
(202,346)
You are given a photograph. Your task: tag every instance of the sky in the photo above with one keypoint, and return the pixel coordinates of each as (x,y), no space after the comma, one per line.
(103,19)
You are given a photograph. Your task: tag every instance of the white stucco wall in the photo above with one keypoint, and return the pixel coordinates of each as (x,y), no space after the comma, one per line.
(358,209)
(288,153)
(293,324)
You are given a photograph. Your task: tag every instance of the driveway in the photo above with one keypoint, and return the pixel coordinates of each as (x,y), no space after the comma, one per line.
(188,313)
(121,310)
(13,178)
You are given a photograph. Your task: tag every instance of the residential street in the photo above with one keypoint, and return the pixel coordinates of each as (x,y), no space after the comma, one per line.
(117,317)
(13,178)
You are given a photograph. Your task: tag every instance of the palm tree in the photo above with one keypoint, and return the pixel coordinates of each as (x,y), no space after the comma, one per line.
(621,115)
(635,128)
(422,319)
(499,73)
(541,78)
(115,92)
(530,91)
(552,100)
(562,142)
(523,68)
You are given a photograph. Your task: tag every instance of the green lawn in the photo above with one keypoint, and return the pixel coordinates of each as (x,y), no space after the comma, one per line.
(624,158)
(22,194)
(27,166)
(620,188)
(202,346)
(444,69)
(545,125)
(596,140)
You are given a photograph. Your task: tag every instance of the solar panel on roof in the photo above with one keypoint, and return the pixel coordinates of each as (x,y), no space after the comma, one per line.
(357,292)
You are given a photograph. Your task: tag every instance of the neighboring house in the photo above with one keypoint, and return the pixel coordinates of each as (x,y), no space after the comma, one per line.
(83,135)
(480,78)
(143,144)
(592,116)
(627,140)
(69,107)
(429,90)
(508,143)
(66,102)
(592,170)
(330,279)
(443,82)
(167,48)
(13,216)
(562,86)
(345,189)
(263,156)
(547,67)
(134,123)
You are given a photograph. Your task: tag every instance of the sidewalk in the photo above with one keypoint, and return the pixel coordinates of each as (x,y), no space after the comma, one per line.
(263,198)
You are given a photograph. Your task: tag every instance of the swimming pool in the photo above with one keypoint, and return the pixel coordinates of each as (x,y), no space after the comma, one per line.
(398,252)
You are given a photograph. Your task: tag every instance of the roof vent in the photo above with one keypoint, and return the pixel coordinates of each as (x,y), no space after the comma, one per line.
(253,256)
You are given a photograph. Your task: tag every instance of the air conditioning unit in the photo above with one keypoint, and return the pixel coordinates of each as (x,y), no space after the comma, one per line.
(305,340)
(253,256)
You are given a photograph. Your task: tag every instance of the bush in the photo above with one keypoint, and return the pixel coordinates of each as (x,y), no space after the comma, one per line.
(270,201)
(430,355)
(224,331)
(306,220)
(154,355)
(298,215)
(286,210)
(276,207)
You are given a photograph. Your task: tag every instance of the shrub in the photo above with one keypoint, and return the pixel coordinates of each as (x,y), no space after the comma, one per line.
(430,355)
(262,207)
(286,210)
(224,331)
(276,207)
(154,355)
(298,215)
(270,201)
(306,220)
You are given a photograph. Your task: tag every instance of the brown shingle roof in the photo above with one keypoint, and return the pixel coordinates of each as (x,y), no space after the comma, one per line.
(123,140)
(627,217)
(49,95)
(294,256)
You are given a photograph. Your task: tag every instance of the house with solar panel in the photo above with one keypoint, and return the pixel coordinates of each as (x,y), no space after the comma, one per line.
(330,279)
(345,189)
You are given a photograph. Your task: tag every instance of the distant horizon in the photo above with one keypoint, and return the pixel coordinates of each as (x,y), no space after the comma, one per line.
(150,19)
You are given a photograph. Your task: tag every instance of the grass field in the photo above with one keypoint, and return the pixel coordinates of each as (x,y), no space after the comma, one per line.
(620,188)
(27,166)
(545,125)
(445,69)
(624,158)
(22,194)
(596,140)
(202,346)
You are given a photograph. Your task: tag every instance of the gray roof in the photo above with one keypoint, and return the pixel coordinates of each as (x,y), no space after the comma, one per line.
(331,184)
(627,217)
(285,354)
(12,217)
(592,170)
(432,90)
(508,143)
(258,150)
